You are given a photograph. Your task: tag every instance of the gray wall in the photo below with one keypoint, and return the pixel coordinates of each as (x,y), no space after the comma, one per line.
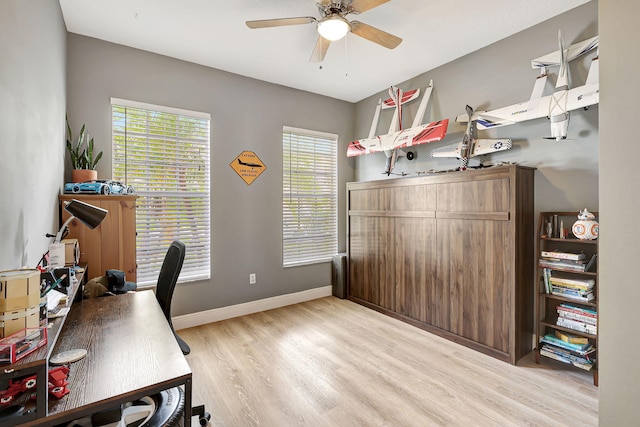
(494,77)
(32,105)
(619,208)
(246,114)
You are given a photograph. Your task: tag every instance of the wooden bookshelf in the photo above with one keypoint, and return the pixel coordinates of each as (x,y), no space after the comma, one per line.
(548,294)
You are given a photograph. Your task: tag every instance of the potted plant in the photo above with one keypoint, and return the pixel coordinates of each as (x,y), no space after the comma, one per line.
(81,152)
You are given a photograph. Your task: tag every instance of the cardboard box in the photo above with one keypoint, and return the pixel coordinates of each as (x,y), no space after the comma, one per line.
(71,252)
(19,289)
(13,321)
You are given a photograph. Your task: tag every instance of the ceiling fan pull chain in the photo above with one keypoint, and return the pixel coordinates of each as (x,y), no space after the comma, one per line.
(346,57)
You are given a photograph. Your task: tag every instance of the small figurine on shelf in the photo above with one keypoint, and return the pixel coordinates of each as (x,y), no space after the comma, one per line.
(586,227)
(549,229)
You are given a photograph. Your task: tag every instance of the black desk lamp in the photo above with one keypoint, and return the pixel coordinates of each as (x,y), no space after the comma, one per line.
(89,215)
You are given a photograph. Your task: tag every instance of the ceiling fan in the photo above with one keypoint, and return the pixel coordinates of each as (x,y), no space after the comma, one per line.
(333,25)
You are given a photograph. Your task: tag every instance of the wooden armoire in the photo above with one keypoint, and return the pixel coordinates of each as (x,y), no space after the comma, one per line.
(451,253)
(112,244)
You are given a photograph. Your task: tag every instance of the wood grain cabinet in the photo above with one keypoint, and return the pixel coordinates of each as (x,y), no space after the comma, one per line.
(111,245)
(451,253)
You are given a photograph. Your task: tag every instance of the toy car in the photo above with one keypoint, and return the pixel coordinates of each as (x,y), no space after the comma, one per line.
(100,186)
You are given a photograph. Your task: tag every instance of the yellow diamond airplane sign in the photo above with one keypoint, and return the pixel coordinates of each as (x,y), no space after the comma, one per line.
(248,166)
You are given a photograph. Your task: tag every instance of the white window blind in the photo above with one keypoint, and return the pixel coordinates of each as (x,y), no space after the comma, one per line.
(309,199)
(163,153)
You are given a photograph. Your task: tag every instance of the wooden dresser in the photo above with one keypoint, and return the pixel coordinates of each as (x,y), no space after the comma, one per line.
(451,253)
(111,245)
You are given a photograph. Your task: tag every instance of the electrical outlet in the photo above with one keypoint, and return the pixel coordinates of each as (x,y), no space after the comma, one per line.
(252,278)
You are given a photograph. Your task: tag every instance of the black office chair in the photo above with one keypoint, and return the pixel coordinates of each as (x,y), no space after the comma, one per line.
(167,279)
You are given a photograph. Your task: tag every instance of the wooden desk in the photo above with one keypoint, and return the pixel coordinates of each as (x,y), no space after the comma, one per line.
(36,362)
(131,353)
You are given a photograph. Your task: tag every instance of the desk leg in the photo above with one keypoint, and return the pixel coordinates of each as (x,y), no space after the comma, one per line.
(187,403)
(42,390)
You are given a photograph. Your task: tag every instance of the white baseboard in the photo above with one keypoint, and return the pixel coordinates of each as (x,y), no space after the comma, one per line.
(217,314)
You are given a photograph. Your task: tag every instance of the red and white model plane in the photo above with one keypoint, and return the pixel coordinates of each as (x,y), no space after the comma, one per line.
(557,106)
(397,138)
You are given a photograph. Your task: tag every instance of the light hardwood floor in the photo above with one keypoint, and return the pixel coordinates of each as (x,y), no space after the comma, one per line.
(331,362)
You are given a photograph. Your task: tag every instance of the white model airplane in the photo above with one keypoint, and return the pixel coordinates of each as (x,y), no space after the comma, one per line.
(471,146)
(557,106)
(397,138)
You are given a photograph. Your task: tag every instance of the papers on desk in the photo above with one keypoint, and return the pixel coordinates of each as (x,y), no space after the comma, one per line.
(53,301)
(58,313)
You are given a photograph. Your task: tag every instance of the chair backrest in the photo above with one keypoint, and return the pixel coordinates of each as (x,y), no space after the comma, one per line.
(168,277)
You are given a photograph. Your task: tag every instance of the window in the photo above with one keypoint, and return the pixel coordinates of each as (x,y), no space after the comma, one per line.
(309,199)
(164,154)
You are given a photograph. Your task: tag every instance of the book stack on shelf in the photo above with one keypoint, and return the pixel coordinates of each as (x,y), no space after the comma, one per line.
(567,261)
(578,318)
(576,289)
(568,348)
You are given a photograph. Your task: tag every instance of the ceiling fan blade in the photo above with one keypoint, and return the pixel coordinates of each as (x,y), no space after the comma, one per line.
(375,35)
(265,23)
(360,6)
(322,45)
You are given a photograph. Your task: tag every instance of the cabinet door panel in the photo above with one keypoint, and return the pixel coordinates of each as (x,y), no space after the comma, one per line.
(413,198)
(490,195)
(371,264)
(474,260)
(369,199)
(90,242)
(128,228)
(415,267)
(357,258)
(111,251)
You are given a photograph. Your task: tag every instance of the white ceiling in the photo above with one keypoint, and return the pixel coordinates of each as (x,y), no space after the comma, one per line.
(213,33)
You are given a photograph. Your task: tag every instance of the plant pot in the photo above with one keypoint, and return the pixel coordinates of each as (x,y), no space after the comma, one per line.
(82,175)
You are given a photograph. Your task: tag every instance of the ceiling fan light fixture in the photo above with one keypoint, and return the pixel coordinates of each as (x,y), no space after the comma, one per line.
(333,27)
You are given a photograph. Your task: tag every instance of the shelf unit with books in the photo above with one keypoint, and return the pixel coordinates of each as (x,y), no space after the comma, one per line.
(567,294)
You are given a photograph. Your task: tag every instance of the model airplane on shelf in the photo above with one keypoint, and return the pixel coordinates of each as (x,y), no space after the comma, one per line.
(397,138)
(471,146)
(557,106)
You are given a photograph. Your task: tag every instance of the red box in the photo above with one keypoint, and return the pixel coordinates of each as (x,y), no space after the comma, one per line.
(18,345)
